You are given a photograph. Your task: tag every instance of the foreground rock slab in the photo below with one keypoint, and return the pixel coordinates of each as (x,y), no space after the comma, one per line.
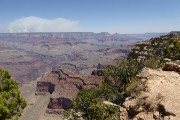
(159,102)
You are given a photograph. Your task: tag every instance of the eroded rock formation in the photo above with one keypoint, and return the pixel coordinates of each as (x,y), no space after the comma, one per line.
(97,72)
(63,86)
(44,88)
(59,103)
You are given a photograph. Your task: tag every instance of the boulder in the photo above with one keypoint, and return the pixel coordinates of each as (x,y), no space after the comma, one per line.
(172,66)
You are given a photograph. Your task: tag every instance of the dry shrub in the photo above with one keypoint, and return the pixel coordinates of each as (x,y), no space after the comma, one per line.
(148,103)
(135,88)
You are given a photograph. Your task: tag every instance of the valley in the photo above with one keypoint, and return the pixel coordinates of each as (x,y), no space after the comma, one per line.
(53,67)
(29,55)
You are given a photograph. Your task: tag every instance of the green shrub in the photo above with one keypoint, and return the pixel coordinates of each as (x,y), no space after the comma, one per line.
(11,103)
(119,82)
(91,106)
(122,73)
(151,62)
(172,50)
(71,114)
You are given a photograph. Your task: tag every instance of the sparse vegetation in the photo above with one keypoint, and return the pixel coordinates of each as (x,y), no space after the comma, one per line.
(119,83)
(148,103)
(11,103)
(133,90)
(172,50)
(120,80)
(162,47)
(151,62)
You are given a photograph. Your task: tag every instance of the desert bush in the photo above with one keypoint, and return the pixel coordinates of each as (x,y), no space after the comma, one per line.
(172,50)
(122,73)
(134,89)
(151,62)
(71,114)
(117,78)
(91,106)
(149,104)
(119,82)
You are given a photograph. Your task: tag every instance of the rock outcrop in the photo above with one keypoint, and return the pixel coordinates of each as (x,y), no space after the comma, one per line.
(58,105)
(160,101)
(63,85)
(172,66)
(167,46)
(44,88)
(97,72)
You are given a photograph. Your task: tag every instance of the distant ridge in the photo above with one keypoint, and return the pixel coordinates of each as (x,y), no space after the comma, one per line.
(139,36)
(175,32)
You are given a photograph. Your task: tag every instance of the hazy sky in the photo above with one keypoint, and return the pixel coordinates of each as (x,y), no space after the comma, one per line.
(122,16)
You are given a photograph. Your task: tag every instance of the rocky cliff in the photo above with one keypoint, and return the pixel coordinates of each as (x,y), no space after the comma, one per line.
(63,85)
(158,91)
(156,97)
(29,55)
(160,99)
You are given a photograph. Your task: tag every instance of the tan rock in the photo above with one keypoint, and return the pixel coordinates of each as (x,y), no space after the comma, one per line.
(161,101)
(156,116)
(123,114)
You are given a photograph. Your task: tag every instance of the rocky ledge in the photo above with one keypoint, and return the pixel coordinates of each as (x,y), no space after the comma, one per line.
(158,101)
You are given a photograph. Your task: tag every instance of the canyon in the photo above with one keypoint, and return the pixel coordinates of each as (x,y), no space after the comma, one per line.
(28,55)
(53,67)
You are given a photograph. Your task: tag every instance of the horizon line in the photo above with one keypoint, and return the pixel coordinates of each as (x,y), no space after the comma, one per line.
(79,32)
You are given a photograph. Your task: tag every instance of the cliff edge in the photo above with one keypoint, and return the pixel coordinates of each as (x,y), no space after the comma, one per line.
(159,100)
